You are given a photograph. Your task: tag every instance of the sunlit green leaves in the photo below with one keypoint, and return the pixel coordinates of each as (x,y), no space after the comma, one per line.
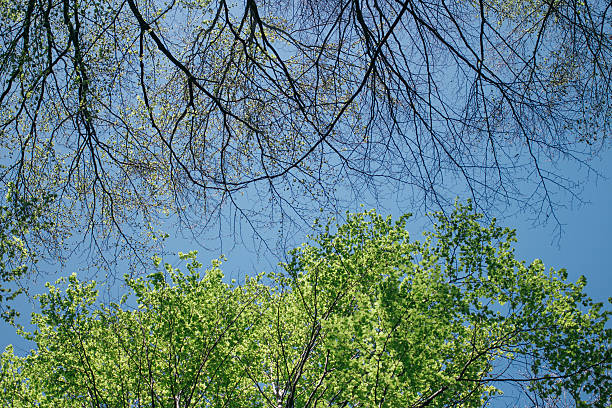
(360,316)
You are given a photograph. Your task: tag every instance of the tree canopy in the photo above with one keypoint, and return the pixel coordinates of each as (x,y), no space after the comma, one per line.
(21,222)
(263,110)
(361,316)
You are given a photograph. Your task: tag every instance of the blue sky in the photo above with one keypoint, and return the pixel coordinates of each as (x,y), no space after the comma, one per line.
(584,248)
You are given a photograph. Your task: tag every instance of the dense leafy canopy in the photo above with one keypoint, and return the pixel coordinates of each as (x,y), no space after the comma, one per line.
(119,118)
(361,316)
(263,110)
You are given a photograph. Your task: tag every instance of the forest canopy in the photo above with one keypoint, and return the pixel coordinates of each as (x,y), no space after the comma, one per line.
(362,315)
(120,120)
(208,114)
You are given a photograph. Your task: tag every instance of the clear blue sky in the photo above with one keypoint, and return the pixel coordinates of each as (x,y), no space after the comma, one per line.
(584,248)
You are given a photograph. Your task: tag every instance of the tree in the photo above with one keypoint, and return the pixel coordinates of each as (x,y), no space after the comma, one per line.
(21,221)
(134,112)
(362,316)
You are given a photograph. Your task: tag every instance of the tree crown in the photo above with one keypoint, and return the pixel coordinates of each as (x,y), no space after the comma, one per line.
(360,316)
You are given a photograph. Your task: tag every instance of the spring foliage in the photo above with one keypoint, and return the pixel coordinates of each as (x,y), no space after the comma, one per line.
(21,220)
(361,316)
(264,111)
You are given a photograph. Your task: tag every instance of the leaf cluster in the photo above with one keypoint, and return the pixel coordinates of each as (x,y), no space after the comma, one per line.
(360,316)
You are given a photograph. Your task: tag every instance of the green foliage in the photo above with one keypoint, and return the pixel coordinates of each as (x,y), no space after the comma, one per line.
(18,219)
(361,316)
